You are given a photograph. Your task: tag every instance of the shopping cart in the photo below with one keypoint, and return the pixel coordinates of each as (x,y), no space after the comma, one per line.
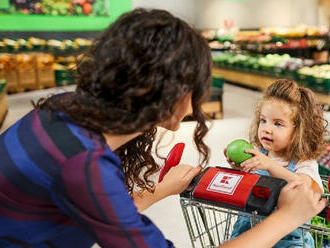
(211,225)
(210,221)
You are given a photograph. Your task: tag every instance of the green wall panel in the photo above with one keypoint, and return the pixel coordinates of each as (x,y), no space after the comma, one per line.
(22,22)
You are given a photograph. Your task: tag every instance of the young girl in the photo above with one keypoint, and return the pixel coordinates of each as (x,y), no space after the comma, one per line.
(288,132)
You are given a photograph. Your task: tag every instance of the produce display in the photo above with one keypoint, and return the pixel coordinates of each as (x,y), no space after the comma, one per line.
(324,161)
(324,170)
(3,101)
(42,63)
(278,36)
(7,63)
(316,77)
(297,31)
(275,62)
(317,71)
(319,239)
(305,71)
(2,85)
(33,44)
(64,69)
(303,41)
(58,7)
(322,241)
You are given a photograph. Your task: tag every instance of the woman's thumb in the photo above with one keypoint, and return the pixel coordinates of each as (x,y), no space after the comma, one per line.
(194,172)
(322,204)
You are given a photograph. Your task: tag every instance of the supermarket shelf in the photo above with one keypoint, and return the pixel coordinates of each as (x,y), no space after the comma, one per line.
(58,35)
(212,108)
(3,106)
(258,82)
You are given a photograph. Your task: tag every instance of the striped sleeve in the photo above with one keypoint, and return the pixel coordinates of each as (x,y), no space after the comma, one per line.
(92,191)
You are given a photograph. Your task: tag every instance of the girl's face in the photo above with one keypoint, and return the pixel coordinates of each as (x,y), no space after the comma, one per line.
(276,127)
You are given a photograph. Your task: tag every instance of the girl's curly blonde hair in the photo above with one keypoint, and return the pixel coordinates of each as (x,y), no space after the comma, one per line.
(308,140)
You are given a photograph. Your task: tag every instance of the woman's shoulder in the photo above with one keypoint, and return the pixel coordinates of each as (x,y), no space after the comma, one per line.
(68,137)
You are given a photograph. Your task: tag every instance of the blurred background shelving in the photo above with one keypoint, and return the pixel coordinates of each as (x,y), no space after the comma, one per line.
(252,42)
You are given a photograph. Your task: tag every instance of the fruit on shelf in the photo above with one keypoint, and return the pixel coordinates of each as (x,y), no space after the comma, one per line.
(87,8)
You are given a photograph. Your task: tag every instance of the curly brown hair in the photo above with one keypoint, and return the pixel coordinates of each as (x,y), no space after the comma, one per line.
(308,140)
(130,80)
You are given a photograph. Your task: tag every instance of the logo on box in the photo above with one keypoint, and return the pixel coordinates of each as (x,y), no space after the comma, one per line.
(225,183)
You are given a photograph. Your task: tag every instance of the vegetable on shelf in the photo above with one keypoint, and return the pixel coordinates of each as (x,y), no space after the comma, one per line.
(319,239)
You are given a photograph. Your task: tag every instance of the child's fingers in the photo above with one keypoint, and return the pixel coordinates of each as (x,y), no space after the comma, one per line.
(249,161)
(235,166)
(252,151)
(227,158)
(248,168)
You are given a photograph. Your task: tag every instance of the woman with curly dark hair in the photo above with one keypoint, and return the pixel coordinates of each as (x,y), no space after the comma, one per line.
(70,168)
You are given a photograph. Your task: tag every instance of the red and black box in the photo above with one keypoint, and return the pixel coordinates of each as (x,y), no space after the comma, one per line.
(236,190)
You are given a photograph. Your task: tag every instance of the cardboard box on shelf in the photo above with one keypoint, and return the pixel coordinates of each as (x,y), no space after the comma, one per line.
(44,70)
(45,78)
(12,81)
(3,101)
(8,71)
(27,79)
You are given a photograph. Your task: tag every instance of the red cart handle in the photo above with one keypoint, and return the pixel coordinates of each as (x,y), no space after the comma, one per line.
(173,159)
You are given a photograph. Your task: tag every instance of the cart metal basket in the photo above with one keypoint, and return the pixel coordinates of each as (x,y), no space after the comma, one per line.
(210,225)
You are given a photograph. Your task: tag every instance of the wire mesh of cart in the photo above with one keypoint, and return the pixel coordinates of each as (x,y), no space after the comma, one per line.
(210,225)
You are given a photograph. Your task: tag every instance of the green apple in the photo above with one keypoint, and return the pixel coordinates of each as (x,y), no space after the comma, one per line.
(236,150)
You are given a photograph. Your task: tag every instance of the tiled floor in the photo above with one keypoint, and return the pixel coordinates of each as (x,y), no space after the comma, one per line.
(238,104)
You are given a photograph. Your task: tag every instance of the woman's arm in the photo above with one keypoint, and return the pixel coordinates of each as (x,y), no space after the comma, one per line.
(174,182)
(144,199)
(297,204)
(266,234)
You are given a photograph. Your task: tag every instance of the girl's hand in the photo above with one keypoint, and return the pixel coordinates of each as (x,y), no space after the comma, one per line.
(259,161)
(177,179)
(231,163)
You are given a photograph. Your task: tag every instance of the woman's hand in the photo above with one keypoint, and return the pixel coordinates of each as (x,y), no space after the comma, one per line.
(177,179)
(231,163)
(299,202)
(259,161)
(174,182)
